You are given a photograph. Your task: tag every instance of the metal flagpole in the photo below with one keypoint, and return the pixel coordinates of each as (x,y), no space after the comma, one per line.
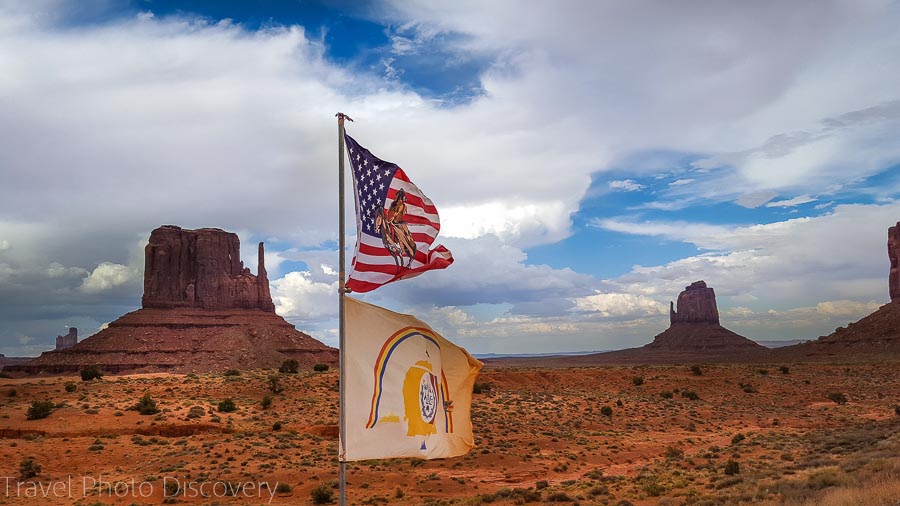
(341,291)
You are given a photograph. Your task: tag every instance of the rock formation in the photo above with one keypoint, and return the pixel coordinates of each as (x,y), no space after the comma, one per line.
(696,304)
(694,328)
(894,256)
(68,340)
(202,311)
(201,269)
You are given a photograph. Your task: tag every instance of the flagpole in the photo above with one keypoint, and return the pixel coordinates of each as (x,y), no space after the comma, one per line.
(341,328)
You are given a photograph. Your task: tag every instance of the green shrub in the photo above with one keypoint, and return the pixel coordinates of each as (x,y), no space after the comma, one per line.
(322,494)
(559,497)
(266,402)
(196,412)
(232,372)
(283,488)
(674,453)
(606,411)
(897,409)
(289,366)
(837,397)
(480,388)
(690,395)
(696,370)
(666,395)
(738,438)
(277,426)
(784,369)
(541,484)
(39,409)
(275,384)
(71,387)
(763,371)
(28,468)
(146,405)
(227,406)
(732,467)
(320,367)
(91,373)
(637,380)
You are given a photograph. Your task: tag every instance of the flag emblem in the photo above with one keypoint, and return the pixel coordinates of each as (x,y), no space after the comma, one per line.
(409,390)
(396,224)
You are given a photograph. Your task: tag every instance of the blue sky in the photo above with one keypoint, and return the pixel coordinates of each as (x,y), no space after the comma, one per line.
(589,159)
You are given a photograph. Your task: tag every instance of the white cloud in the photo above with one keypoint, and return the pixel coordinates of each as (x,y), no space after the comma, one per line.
(298,297)
(681,182)
(796,201)
(627,185)
(107,276)
(621,305)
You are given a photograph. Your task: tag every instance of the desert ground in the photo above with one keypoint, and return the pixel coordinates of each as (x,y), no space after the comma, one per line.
(640,435)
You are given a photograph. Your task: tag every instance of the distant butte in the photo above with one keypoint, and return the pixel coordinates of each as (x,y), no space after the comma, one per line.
(202,311)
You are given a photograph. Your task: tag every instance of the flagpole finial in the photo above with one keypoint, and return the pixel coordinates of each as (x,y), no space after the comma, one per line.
(341,117)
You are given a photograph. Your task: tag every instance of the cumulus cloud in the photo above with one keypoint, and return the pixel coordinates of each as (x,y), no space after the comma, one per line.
(299,297)
(620,305)
(107,276)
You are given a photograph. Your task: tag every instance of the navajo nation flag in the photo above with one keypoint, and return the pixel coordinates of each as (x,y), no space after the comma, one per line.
(396,224)
(408,391)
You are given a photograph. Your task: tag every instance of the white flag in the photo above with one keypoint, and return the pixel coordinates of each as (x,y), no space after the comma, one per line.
(408,391)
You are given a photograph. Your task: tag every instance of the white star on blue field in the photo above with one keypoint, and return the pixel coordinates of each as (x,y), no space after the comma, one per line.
(588,159)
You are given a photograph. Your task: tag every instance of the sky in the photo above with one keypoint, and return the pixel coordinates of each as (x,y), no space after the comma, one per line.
(589,159)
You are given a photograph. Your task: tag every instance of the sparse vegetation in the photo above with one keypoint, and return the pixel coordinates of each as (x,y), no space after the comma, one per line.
(232,372)
(323,494)
(91,373)
(275,384)
(666,394)
(28,468)
(481,387)
(320,367)
(39,409)
(606,411)
(732,467)
(784,369)
(70,387)
(690,395)
(837,397)
(266,402)
(227,406)
(289,366)
(696,370)
(146,405)
(637,380)
(738,438)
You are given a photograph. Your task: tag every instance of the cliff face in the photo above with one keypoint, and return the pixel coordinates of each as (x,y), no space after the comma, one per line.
(696,304)
(201,269)
(893,246)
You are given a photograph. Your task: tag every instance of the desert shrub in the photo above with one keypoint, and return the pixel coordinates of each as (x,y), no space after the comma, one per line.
(266,402)
(12,393)
(666,395)
(732,467)
(275,384)
(837,397)
(320,367)
(637,380)
(696,370)
(763,371)
(598,490)
(690,395)
(146,405)
(828,477)
(196,412)
(28,468)
(896,408)
(606,411)
(39,409)
(277,426)
(480,388)
(283,488)
(784,369)
(738,438)
(654,489)
(322,494)
(399,494)
(232,372)
(289,366)
(91,373)
(674,453)
(541,484)
(71,387)
(227,406)
(559,497)
(748,388)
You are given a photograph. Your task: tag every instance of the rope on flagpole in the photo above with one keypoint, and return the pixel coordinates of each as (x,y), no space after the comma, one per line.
(341,291)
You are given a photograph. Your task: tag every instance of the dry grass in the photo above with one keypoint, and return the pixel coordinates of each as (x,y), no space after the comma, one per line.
(883,492)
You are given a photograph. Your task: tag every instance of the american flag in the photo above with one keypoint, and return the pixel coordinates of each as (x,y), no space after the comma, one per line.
(391,212)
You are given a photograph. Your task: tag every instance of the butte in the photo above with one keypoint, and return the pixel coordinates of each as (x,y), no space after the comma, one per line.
(202,311)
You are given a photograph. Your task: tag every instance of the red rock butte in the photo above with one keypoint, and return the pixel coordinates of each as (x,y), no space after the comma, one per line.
(202,311)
